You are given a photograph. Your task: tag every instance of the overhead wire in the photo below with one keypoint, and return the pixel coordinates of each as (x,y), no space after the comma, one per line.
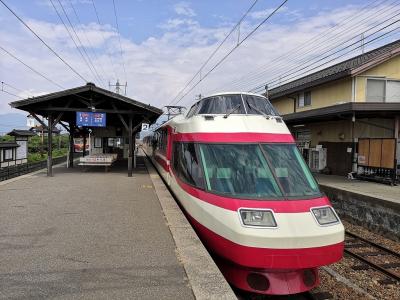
(73,40)
(276,63)
(104,39)
(31,68)
(119,39)
(234,48)
(307,64)
(80,43)
(216,49)
(44,43)
(98,60)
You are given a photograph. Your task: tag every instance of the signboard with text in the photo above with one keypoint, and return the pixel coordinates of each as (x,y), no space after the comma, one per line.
(90,119)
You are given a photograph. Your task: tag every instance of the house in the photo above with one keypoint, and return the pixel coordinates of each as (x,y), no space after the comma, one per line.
(346,117)
(21,139)
(8,153)
(42,131)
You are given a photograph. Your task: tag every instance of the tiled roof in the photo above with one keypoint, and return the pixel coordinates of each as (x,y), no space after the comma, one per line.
(20,132)
(334,72)
(8,145)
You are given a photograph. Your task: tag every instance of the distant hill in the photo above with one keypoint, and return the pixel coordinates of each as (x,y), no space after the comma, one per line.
(10,121)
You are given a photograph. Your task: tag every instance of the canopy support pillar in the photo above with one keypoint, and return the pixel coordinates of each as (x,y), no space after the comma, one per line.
(71,146)
(50,146)
(130,150)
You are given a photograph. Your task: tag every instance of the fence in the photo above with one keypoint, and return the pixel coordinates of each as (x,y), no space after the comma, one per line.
(18,170)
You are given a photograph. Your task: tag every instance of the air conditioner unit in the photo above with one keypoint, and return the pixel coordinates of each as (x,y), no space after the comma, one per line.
(317,159)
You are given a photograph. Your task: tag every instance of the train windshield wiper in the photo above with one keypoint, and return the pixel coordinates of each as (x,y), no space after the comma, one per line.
(257,110)
(232,111)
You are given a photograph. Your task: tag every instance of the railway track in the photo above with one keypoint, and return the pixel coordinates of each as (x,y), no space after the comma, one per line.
(372,255)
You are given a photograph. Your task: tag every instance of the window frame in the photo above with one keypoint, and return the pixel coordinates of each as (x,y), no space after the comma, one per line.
(177,174)
(282,198)
(304,99)
(385,80)
(12,154)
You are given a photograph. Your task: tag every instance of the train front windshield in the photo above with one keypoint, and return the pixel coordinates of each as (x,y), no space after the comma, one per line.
(261,171)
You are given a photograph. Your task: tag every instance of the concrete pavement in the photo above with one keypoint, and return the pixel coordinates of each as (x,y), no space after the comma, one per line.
(87,235)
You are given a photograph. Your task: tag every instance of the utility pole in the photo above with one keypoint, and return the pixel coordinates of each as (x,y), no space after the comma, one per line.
(173,110)
(118,87)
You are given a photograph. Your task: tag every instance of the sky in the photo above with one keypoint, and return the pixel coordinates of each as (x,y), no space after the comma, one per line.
(158,46)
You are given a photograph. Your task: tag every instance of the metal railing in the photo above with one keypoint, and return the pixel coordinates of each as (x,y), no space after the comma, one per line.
(21,169)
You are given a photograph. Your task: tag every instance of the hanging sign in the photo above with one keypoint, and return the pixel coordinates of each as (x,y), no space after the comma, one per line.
(145,127)
(90,119)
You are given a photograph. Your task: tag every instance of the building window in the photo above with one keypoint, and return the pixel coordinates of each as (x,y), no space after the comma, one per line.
(8,154)
(186,164)
(98,142)
(304,99)
(382,90)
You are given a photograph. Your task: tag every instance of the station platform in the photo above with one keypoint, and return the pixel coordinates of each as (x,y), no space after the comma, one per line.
(373,189)
(369,204)
(88,235)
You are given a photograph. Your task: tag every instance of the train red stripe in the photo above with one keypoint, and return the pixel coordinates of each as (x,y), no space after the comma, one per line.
(280,206)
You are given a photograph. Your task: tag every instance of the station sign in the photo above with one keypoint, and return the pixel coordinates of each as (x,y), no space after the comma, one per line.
(90,119)
(145,126)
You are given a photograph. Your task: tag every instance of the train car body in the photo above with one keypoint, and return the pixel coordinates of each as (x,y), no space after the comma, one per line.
(236,171)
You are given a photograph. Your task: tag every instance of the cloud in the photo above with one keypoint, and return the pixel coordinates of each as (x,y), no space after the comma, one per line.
(158,67)
(177,22)
(183,8)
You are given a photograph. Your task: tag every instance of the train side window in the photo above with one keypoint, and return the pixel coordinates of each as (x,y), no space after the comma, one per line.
(187,165)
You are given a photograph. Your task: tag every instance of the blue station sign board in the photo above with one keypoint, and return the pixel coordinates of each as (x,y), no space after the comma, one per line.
(90,119)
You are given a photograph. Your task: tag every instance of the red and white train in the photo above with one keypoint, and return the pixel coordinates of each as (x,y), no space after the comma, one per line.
(235,168)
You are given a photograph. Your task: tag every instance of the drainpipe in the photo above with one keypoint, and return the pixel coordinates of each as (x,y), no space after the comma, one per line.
(353,139)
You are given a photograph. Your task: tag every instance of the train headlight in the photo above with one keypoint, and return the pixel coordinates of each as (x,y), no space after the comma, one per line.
(259,218)
(325,215)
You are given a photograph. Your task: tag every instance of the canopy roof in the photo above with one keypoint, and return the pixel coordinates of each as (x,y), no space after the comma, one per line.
(21,132)
(89,98)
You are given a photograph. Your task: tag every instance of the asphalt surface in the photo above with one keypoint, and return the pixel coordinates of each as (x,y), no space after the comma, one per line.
(87,235)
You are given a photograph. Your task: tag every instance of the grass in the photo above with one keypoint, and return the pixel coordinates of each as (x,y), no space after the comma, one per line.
(37,157)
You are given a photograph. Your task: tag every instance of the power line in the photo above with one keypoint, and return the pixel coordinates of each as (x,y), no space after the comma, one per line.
(11,86)
(216,49)
(87,39)
(104,39)
(73,40)
(234,48)
(44,43)
(30,68)
(277,62)
(306,60)
(119,39)
(11,94)
(323,58)
(79,41)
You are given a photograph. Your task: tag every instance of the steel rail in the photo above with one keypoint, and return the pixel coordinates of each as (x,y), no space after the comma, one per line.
(371,264)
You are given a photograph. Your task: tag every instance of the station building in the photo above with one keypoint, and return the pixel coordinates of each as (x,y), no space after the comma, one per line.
(106,122)
(345,118)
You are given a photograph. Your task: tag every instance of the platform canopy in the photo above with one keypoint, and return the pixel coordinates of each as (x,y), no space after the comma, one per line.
(62,107)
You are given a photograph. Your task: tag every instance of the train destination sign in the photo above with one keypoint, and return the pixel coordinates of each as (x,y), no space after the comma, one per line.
(90,119)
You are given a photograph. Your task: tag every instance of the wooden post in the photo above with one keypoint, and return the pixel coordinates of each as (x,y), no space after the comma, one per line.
(130,149)
(50,146)
(71,145)
(84,144)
